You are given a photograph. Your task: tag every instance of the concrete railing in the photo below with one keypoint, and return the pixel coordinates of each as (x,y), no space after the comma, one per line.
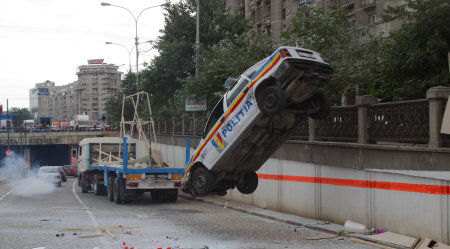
(367,122)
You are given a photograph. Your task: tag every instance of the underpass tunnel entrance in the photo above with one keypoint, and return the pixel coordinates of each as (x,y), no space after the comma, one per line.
(41,155)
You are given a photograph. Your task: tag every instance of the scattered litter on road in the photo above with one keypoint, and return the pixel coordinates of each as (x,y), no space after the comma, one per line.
(311,224)
(109,230)
(426,243)
(172,238)
(43,247)
(394,238)
(74,233)
(353,227)
(71,208)
(326,236)
(90,236)
(370,243)
(59,235)
(24,225)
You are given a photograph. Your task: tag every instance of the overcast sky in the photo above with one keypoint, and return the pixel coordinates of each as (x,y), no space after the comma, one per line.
(48,39)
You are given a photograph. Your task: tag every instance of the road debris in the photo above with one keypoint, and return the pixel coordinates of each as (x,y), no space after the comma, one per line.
(59,235)
(426,243)
(371,243)
(109,230)
(326,236)
(394,238)
(50,220)
(24,225)
(90,236)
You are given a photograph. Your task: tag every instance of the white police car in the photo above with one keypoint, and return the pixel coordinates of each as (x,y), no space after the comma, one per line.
(254,117)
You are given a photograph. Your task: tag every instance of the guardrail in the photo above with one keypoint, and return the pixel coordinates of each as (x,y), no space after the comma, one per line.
(403,122)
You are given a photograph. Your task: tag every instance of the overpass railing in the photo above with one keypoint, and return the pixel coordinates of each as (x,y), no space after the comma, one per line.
(404,122)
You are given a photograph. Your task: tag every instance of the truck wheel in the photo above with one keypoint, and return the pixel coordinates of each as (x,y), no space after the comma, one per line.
(96,186)
(117,192)
(84,188)
(155,195)
(110,188)
(271,101)
(247,182)
(202,181)
(321,101)
(170,195)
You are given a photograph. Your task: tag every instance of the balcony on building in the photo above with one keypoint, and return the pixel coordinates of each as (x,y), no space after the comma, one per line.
(368,5)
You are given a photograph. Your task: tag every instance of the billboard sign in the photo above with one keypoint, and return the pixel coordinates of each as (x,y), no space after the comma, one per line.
(95,61)
(193,104)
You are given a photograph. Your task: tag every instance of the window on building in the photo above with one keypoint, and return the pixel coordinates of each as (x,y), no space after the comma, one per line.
(304,2)
(372,19)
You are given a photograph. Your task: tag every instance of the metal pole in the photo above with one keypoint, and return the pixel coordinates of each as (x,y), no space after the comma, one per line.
(137,57)
(7,121)
(197,38)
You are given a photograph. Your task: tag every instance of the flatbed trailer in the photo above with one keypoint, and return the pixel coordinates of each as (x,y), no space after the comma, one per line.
(120,182)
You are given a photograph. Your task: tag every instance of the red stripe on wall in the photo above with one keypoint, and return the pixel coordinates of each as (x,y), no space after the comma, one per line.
(394,186)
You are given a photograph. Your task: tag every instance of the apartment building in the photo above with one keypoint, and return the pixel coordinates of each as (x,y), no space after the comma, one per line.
(271,16)
(97,82)
(39,99)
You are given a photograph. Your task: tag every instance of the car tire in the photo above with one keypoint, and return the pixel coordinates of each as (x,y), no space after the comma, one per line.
(64,179)
(319,99)
(116,191)
(202,181)
(84,188)
(271,100)
(110,188)
(59,184)
(247,182)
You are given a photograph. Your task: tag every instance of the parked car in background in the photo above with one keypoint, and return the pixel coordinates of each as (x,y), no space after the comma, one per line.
(62,173)
(51,174)
(70,170)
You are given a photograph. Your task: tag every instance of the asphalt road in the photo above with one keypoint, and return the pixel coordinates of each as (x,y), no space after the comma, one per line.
(184,224)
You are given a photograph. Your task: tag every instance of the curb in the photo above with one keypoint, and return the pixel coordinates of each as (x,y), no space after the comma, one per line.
(298,224)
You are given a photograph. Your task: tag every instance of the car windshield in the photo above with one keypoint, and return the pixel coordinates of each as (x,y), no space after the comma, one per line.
(48,170)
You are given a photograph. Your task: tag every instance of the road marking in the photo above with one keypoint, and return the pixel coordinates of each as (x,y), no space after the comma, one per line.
(90,214)
(3,196)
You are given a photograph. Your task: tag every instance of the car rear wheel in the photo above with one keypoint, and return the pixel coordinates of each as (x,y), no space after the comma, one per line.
(247,182)
(202,181)
(272,100)
(320,101)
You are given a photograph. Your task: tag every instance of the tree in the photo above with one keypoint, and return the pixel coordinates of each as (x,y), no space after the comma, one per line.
(228,58)
(165,75)
(414,58)
(114,104)
(333,35)
(19,115)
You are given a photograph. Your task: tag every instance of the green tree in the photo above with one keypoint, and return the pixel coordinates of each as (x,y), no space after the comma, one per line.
(19,115)
(333,35)
(228,58)
(165,75)
(114,104)
(414,58)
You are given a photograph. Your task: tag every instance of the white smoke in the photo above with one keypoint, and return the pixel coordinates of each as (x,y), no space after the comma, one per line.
(14,170)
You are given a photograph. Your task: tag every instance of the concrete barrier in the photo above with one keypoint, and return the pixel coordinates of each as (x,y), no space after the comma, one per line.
(390,196)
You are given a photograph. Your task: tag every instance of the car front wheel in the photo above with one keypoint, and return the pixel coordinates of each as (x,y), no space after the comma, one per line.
(202,181)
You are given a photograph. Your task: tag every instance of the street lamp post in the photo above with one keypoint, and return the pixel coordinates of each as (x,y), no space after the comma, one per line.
(136,38)
(128,51)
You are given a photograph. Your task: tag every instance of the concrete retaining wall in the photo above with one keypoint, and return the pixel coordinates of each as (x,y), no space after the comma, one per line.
(407,202)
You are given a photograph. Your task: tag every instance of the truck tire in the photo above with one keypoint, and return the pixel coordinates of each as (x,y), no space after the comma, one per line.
(110,188)
(117,190)
(170,195)
(155,194)
(271,100)
(84,187)
(247,182)
(320,100)
(96,186)
(202,181)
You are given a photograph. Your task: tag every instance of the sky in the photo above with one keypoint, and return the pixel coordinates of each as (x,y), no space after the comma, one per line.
(48,39)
